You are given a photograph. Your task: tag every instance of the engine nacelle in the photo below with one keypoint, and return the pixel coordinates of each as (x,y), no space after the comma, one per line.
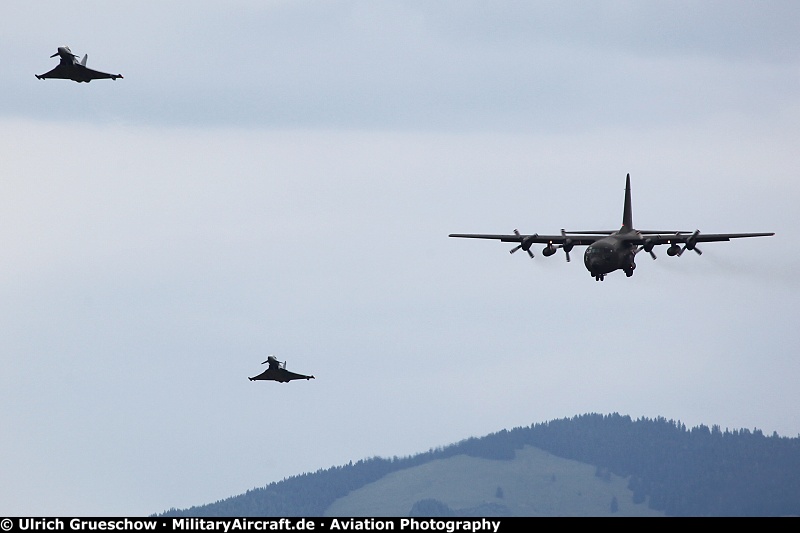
(648,245)
(526,243)
(549,250)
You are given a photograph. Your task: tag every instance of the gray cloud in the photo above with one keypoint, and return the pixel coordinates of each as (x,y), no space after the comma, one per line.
(425,66)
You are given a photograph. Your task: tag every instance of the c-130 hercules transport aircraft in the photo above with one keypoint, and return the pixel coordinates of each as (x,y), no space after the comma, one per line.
(609,250)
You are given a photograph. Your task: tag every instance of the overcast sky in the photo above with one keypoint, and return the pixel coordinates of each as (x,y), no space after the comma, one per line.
(281,177)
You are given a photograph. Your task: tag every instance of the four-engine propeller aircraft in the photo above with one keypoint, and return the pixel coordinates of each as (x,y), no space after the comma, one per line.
(611,250)
(69,68)
(277,372)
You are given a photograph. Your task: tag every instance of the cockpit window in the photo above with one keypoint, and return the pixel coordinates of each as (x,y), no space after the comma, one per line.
(598,251)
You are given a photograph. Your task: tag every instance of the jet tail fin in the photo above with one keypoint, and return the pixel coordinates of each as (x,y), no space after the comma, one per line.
(83,61)
(627,216)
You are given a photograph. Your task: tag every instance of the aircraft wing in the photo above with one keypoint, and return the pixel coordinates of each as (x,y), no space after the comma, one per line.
(684,237)
(267,375)
(289,376)
(77,73)
(97,75)
(610,231)
(279,374)
(577,240)
(588,237)
(58,72)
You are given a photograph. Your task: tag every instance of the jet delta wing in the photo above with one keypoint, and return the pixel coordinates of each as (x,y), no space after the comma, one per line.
(277,372)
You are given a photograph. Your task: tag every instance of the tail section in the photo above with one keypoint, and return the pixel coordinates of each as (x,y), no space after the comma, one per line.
(627,217)
(83,61)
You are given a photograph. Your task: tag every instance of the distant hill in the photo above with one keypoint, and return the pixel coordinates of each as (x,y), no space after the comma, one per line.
(588,465)
(534,483)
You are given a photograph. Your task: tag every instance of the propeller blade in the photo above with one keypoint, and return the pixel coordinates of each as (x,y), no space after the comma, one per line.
(652,254)
(690,243)
(696,250)
(567,246)
(519,246)
(514,249)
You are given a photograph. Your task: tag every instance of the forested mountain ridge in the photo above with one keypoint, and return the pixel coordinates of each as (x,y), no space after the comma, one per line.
(700,471)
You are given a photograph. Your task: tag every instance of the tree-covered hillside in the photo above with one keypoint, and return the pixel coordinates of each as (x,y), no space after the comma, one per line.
(700,471)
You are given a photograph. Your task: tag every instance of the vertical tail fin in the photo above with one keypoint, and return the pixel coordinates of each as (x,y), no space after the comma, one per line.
(83,61)
(627,216)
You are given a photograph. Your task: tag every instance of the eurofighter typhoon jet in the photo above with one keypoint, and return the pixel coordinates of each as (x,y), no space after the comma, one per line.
(69,68)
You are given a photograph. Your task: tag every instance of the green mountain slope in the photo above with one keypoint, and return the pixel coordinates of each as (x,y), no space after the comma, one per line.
(587,465)
(534,483)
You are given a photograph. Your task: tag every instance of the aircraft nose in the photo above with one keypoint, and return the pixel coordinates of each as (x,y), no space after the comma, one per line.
(592,262)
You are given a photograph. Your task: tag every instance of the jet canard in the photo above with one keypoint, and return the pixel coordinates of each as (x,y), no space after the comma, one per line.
(69,68)
(610,250)
(276,371)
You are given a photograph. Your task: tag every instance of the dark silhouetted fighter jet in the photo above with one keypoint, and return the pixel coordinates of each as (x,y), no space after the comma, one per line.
(69,68)
(277,372)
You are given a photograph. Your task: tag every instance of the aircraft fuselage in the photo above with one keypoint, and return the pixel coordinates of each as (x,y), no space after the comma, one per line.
(609,254)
